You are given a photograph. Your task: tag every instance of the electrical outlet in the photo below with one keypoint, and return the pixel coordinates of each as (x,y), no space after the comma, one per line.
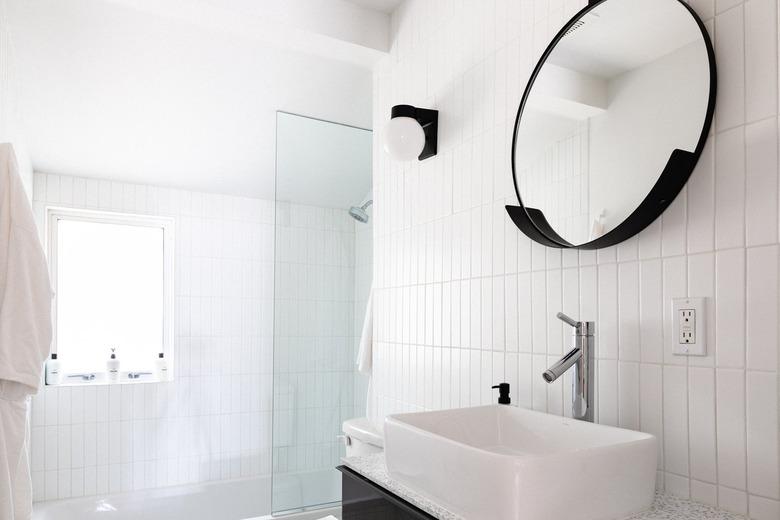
(689,333)
(687,328)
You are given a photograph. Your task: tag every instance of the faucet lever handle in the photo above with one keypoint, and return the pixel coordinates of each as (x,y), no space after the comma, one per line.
(574,323)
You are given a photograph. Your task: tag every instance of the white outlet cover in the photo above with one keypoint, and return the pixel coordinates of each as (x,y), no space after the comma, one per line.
(698,346)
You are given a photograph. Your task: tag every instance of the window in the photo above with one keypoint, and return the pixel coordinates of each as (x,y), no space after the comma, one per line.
(113,280)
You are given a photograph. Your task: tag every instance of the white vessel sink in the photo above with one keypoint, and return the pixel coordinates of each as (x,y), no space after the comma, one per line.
(506,463)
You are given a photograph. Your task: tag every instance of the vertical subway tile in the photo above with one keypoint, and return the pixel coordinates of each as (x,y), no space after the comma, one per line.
(628,395)
(650,240)
(730,397)
(675,420)
(607,392)
(588,293)
(701,284)
(730,54)
(704,492)
(762,508)
(733,500)
(628,311)
(730,188)
(701,200)
(760,59)
(762,307)
(730,308)
(762,435)
(673,226)
(525,318)
(651,307)
(554,305)
(674,286)
(701,400)
(607,347)
(761,180)
(539,312)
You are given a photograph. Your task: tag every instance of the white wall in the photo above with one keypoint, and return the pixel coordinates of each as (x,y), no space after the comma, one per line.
(463,300)
(214,421)
(10,120)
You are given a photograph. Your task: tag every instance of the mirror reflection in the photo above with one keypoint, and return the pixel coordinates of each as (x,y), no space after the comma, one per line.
(626,85)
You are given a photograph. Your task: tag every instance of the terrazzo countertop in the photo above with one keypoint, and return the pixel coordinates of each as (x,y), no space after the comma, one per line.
(665,507)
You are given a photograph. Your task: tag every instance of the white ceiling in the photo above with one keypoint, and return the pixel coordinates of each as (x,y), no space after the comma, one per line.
(618,37)
(385,6)
(185,92)
(321,163)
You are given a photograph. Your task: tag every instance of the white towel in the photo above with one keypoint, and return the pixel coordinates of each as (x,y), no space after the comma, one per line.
(25,334)
(366,338)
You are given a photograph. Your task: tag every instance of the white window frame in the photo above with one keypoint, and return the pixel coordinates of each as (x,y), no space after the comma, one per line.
(54,214)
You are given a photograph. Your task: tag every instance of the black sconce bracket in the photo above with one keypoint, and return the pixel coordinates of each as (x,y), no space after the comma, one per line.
(429,121)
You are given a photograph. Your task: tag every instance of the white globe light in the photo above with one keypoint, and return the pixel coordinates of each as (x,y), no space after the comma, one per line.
(404,138)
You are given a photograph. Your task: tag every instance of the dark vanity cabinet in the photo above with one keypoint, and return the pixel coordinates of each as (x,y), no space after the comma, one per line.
(361,499)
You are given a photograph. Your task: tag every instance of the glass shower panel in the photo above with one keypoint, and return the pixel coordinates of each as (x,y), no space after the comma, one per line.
(322,278)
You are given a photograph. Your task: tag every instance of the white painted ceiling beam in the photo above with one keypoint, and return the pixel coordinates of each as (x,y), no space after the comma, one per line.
(569,93)
(334,29)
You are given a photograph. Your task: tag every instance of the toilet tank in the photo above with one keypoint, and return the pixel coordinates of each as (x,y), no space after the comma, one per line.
(361,438)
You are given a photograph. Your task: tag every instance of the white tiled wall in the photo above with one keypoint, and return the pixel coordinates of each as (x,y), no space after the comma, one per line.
(463,300)
(214,421)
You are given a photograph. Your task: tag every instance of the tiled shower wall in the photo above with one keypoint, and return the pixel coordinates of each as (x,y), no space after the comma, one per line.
(463,300)
(10,124)
(314,383)
(213,422)
(364,278)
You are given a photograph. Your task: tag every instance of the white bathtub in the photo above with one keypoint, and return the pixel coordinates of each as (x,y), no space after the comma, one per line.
(231,500)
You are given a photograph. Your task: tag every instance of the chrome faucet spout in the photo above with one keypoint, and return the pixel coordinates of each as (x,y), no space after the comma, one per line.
(581,357)
(563,364)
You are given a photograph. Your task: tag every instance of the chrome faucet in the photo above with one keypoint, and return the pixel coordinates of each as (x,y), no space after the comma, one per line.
(582,358)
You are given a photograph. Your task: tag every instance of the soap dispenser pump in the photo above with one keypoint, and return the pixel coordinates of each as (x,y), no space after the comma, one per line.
(503,393)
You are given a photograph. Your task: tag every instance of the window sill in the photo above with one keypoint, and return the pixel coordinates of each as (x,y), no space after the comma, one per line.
(101,379)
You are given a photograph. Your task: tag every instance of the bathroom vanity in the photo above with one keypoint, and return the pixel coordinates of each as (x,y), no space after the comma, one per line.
(369,493)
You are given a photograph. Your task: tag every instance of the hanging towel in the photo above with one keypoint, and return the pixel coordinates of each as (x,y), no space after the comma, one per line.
(366,338)
(25,334)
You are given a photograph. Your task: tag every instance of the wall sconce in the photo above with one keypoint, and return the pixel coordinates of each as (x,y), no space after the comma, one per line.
(411,133)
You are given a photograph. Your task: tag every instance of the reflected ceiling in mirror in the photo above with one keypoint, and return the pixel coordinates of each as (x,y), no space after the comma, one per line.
(624,85)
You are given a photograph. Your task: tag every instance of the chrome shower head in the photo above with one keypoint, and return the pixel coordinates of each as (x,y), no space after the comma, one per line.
(359,213)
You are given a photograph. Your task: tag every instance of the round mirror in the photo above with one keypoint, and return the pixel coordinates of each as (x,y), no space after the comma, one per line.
(612,122)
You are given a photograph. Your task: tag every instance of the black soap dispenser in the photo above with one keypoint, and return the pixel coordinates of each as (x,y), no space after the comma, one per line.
(503,393)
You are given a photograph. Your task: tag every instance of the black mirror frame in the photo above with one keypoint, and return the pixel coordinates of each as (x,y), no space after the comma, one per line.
(532,222)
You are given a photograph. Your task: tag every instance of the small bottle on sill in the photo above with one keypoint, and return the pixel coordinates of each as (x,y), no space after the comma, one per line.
(53,371)
(112,367)
(162,367)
